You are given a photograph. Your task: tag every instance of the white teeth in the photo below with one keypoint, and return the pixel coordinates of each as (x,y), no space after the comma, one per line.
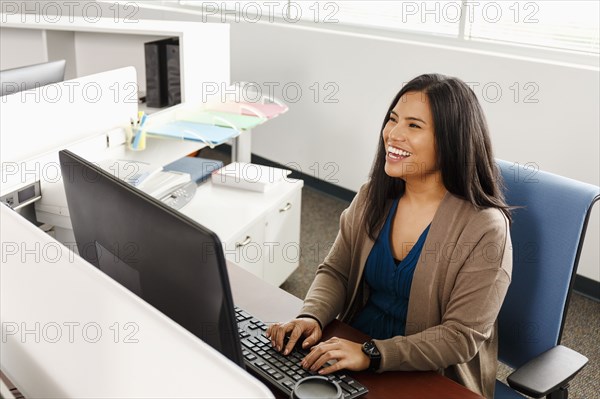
(398,151)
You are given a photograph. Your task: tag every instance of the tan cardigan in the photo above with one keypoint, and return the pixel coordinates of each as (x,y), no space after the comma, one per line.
(459,284)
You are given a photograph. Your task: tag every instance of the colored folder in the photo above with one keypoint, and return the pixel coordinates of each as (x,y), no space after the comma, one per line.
(223,119)
(186,130)
(260,110)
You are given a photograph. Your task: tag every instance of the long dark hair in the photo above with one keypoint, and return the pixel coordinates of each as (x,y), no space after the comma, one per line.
(463,147)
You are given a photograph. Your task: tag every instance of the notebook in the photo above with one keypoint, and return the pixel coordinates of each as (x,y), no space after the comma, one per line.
(198,168)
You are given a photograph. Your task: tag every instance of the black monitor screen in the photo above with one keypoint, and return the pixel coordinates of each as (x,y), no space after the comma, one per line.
(167,259)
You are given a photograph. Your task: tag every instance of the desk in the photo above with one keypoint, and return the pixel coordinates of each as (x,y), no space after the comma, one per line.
(271,304)
(49,298)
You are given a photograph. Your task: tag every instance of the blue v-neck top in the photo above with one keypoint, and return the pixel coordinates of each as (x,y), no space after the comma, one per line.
(384,315)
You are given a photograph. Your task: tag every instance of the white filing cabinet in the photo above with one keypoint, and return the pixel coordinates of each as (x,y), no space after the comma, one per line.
(282,232)
(259,231)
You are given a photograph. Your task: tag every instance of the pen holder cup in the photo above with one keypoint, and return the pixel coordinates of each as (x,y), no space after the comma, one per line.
(136,138)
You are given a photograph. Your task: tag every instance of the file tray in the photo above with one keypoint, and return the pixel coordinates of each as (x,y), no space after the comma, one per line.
(186,130)
(222,119)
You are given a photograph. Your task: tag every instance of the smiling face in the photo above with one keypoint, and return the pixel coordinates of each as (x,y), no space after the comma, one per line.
(409,139)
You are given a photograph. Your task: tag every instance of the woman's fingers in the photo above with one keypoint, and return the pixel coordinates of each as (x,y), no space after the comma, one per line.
(337,366)
(269,330)
(317,351)
(341,353)
(334,354)
(281,332)
(314,337)
(296,329)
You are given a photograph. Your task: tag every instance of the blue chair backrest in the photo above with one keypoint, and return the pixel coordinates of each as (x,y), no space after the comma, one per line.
(547,236)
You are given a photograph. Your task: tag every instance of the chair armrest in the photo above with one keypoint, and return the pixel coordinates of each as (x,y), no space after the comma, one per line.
(547,372)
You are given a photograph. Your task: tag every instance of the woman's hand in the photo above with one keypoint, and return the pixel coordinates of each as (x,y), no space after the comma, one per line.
(347,354)
(303,326)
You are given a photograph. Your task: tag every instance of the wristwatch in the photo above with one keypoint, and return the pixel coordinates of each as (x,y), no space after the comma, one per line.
(370,349)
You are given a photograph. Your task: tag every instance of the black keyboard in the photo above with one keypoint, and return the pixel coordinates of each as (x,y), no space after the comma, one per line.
(281,371)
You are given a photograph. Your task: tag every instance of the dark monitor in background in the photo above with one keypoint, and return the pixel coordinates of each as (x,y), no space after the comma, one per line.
(31,76)
(167,259)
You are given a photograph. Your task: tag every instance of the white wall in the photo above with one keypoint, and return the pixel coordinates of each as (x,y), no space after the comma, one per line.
(559,133)
(125,50)
(336,141)
(12,43)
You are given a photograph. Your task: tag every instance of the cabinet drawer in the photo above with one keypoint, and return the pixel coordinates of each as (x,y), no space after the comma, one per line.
(247,250)
(282,239)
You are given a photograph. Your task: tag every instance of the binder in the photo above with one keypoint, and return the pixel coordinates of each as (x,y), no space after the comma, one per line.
(155,96)
(163,75)
(173,73)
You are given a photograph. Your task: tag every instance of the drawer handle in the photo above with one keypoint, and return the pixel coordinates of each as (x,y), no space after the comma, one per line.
(243,243)
(287,207)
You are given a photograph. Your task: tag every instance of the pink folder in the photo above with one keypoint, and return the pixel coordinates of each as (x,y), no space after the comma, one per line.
(269,110)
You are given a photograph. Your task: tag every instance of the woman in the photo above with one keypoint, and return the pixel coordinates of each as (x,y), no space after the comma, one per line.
(422,260)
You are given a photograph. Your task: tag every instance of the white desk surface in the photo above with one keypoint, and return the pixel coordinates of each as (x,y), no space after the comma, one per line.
(42,282)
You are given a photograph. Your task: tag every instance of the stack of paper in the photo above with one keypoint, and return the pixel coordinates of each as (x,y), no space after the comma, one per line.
(249,176)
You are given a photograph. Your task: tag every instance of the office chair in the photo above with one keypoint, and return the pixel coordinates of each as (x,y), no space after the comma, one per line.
(547,236)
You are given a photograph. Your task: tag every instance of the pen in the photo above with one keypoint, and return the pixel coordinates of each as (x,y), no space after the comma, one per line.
(132,130)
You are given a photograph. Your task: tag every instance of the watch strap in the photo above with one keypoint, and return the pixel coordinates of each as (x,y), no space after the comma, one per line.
(371,350)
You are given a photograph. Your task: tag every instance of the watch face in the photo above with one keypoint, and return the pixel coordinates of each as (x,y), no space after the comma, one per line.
(370,348)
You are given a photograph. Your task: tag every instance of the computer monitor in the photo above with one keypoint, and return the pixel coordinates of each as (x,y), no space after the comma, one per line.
(31,76)
(167,259)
